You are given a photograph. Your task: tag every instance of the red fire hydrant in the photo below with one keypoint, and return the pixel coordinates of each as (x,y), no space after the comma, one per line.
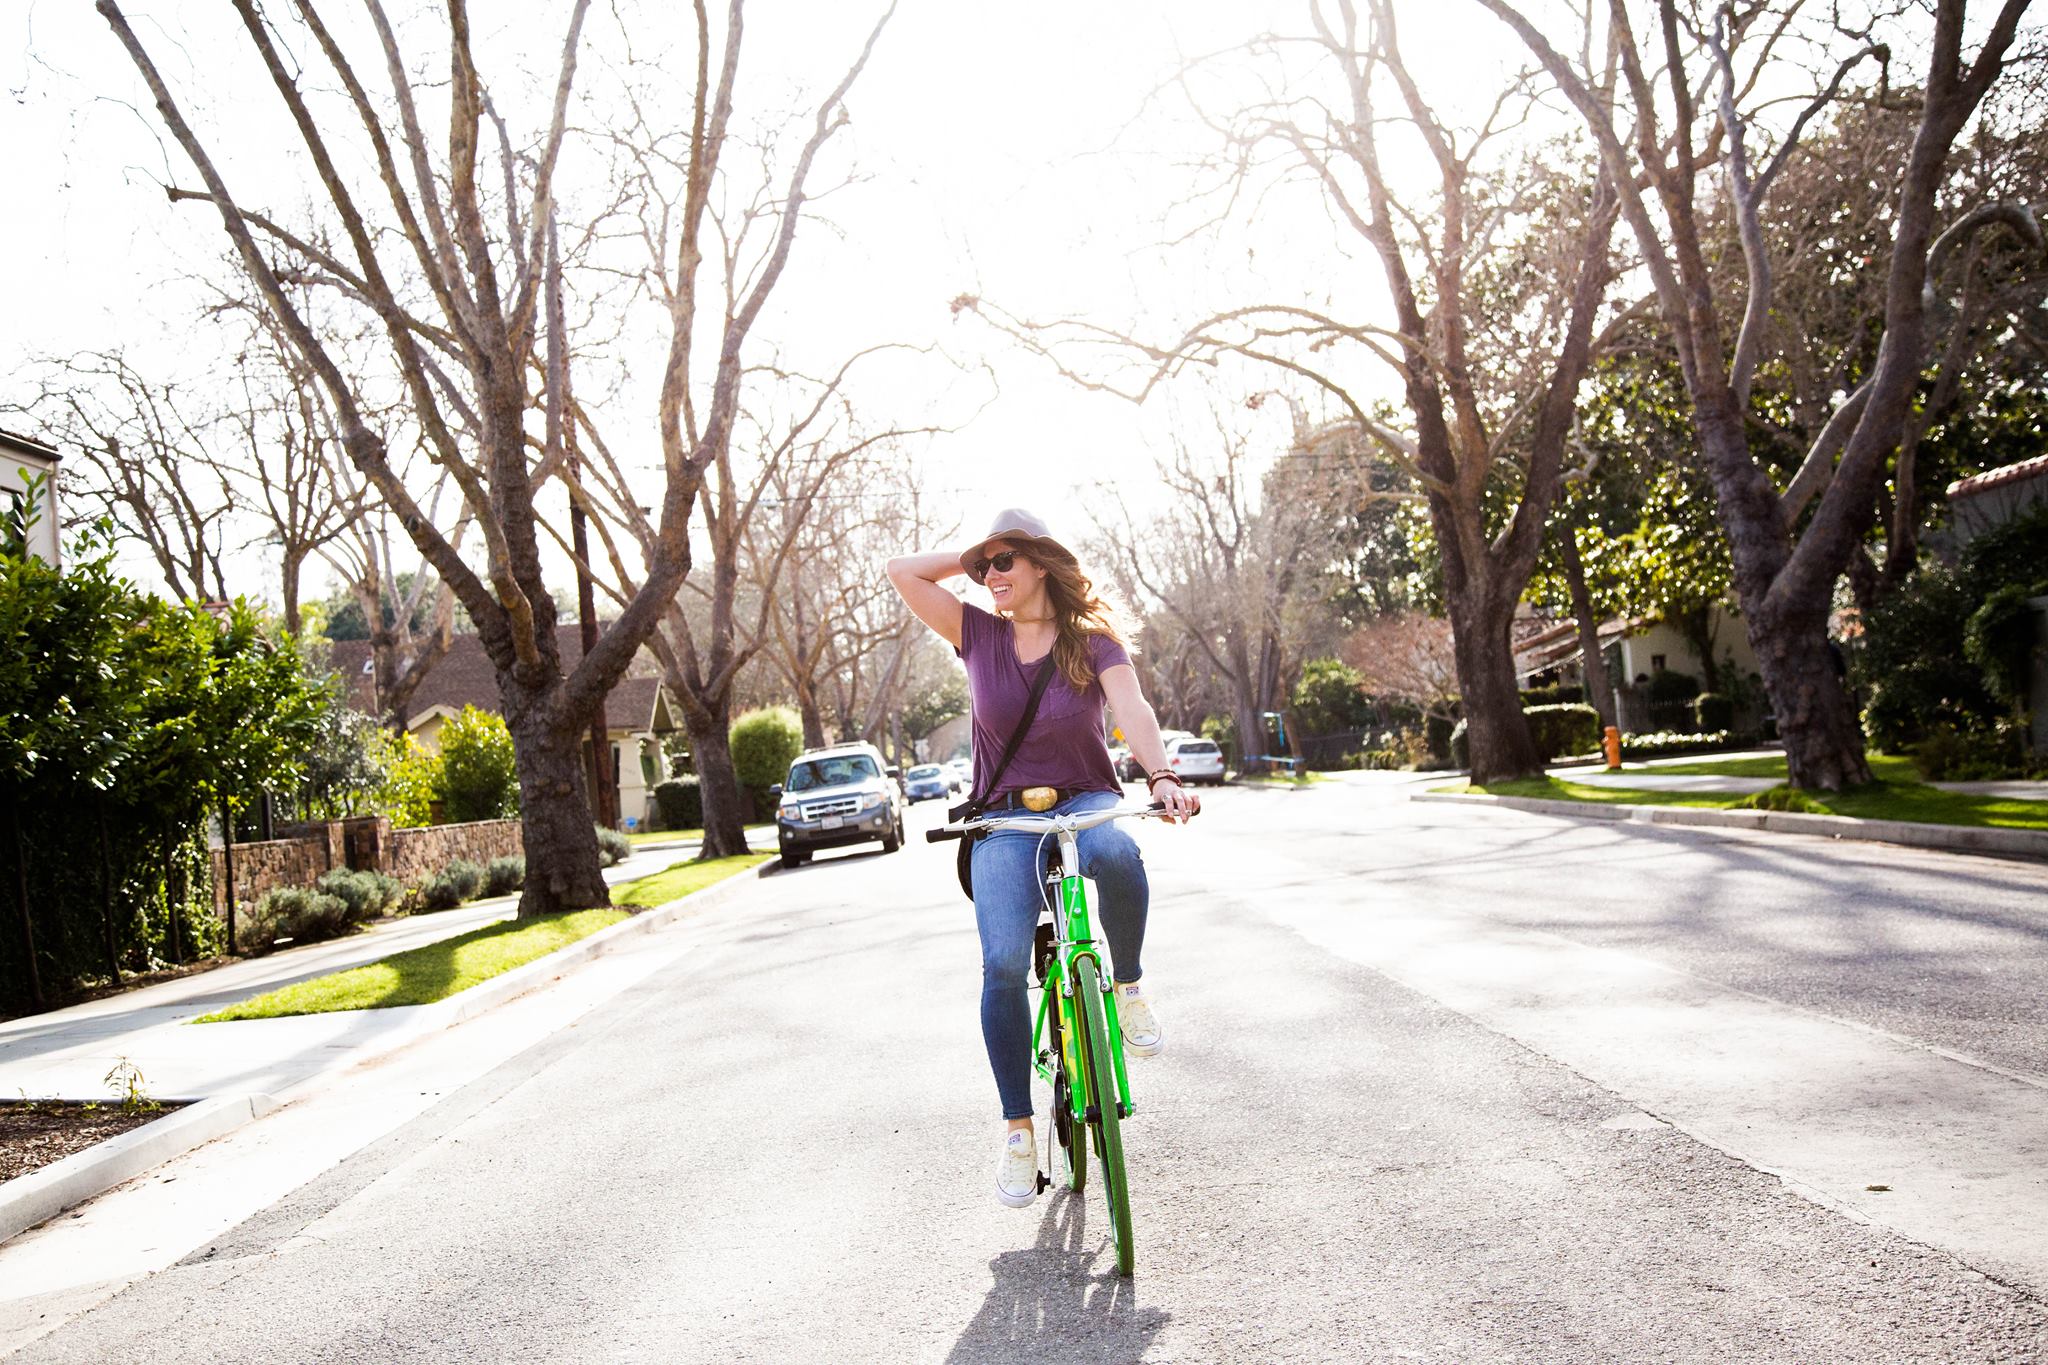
(1611,742)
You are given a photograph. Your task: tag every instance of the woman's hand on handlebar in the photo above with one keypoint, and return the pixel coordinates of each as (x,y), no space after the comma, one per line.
(1176,802)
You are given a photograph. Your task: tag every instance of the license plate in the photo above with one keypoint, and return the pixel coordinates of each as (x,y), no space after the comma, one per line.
(832,822)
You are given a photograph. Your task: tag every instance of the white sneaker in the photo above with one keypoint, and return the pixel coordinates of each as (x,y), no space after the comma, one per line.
(1017,1170)
(1142,1035)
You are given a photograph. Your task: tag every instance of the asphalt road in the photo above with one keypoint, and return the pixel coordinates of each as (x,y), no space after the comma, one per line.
(1441,1084)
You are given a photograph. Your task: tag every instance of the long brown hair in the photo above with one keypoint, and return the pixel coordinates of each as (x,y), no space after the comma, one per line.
(1078,612)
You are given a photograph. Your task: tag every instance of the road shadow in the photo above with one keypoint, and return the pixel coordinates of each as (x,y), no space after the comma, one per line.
(1060,1299)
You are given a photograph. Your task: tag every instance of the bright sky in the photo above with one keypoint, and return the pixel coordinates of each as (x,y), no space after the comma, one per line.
(1004,151)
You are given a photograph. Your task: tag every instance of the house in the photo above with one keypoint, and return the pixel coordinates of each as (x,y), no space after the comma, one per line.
(1635,651)
(28,470)
(1991,499)
(638,715)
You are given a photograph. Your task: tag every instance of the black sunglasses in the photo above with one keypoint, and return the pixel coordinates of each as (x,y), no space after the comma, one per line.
(1000,563)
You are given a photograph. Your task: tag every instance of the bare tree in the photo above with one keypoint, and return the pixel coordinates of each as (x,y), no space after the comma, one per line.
(449,258)
(1498,276)
(148,464)
(1680,134)
(812,560)
(1232,557)
(1409,656)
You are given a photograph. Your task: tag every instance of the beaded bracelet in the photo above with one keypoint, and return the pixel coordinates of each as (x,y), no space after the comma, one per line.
(1152,778)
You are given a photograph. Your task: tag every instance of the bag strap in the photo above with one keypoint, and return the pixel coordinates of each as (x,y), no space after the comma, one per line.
(977,801)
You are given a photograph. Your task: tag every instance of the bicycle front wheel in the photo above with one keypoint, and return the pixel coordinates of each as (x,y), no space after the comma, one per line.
(1102,1095)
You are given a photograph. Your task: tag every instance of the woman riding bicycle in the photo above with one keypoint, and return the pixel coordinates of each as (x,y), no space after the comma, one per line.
(1044,605)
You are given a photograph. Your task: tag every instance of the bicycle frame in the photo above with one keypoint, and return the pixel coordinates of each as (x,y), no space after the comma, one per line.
(1073,940)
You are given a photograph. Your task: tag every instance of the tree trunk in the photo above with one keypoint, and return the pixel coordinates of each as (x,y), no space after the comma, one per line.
(1787,619)
(1822,737)
(1592,663)
(554,816)
(1697,626)
(813,718)
(718,783)
(1496,733)
(293,562)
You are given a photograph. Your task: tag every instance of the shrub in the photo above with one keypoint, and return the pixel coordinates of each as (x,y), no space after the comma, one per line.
(1331,698)
(1668,743)
(411,786)
(1970,753)
(438,892)
(1437,731)
(504,876)
(1782,798)
(681,803)
(366,894)
(764,744)
(479,773)
(612,847)
(459,881)
(1567,728)
(1918,665)
(294,914)
(1712,711)
(1557,694)
(1671,685)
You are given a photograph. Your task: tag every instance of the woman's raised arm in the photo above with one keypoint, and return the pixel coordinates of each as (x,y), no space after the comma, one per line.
(919,578)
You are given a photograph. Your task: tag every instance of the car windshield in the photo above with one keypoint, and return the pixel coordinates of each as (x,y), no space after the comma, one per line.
(1200,746)
(834,771)
(931,770)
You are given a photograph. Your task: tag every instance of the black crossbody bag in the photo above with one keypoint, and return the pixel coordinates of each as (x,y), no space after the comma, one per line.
(977,801)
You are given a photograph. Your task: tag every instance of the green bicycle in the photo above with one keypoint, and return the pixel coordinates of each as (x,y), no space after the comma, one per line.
(1077,1043)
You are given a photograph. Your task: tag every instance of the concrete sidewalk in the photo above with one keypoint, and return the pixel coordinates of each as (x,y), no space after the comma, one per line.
(66,1054)
(1643,777)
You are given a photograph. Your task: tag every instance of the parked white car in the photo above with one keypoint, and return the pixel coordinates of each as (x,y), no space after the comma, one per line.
(1195,759)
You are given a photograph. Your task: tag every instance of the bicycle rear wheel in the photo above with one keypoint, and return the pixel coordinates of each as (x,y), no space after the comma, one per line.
(1102,1091)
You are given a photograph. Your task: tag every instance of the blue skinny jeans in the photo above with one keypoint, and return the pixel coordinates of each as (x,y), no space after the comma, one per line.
(1009,872)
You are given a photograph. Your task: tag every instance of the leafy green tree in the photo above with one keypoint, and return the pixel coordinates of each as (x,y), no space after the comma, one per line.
(479,772)
(936,705)
(130,721)
(412,782)
(764,744)
(1330,698)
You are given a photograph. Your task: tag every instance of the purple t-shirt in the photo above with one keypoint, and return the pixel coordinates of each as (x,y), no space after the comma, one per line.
(1067,744)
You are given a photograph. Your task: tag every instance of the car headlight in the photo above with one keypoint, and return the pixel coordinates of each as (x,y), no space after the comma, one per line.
(788,810)
(873,801)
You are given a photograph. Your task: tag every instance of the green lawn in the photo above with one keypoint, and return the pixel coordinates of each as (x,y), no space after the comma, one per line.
(669,836)
(1891,797)
(659,888)
(420,976)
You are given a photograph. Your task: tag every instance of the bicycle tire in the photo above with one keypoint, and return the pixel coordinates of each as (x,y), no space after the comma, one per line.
(1070,1137)
(1109,1141)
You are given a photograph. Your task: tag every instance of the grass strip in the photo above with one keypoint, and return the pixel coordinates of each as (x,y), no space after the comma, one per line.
(672,836)
(1885,799)
(420,976)
(659,888)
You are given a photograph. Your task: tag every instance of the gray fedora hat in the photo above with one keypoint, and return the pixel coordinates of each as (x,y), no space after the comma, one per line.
(1023,530)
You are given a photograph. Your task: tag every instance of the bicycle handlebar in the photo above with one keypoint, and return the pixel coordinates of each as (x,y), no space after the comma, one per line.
(1043,824)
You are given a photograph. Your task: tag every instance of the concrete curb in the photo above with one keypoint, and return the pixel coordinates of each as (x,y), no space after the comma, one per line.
(43,1194)
(2004,843)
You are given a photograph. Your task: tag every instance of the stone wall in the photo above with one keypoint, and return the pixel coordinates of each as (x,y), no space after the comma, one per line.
(369,842)
(413,855)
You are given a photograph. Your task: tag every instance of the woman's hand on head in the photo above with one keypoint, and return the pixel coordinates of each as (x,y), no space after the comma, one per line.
(1181,804)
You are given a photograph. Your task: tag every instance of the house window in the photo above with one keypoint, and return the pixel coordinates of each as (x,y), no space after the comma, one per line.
(1656,663)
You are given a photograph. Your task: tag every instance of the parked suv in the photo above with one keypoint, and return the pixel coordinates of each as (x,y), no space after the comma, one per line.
(837,796)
